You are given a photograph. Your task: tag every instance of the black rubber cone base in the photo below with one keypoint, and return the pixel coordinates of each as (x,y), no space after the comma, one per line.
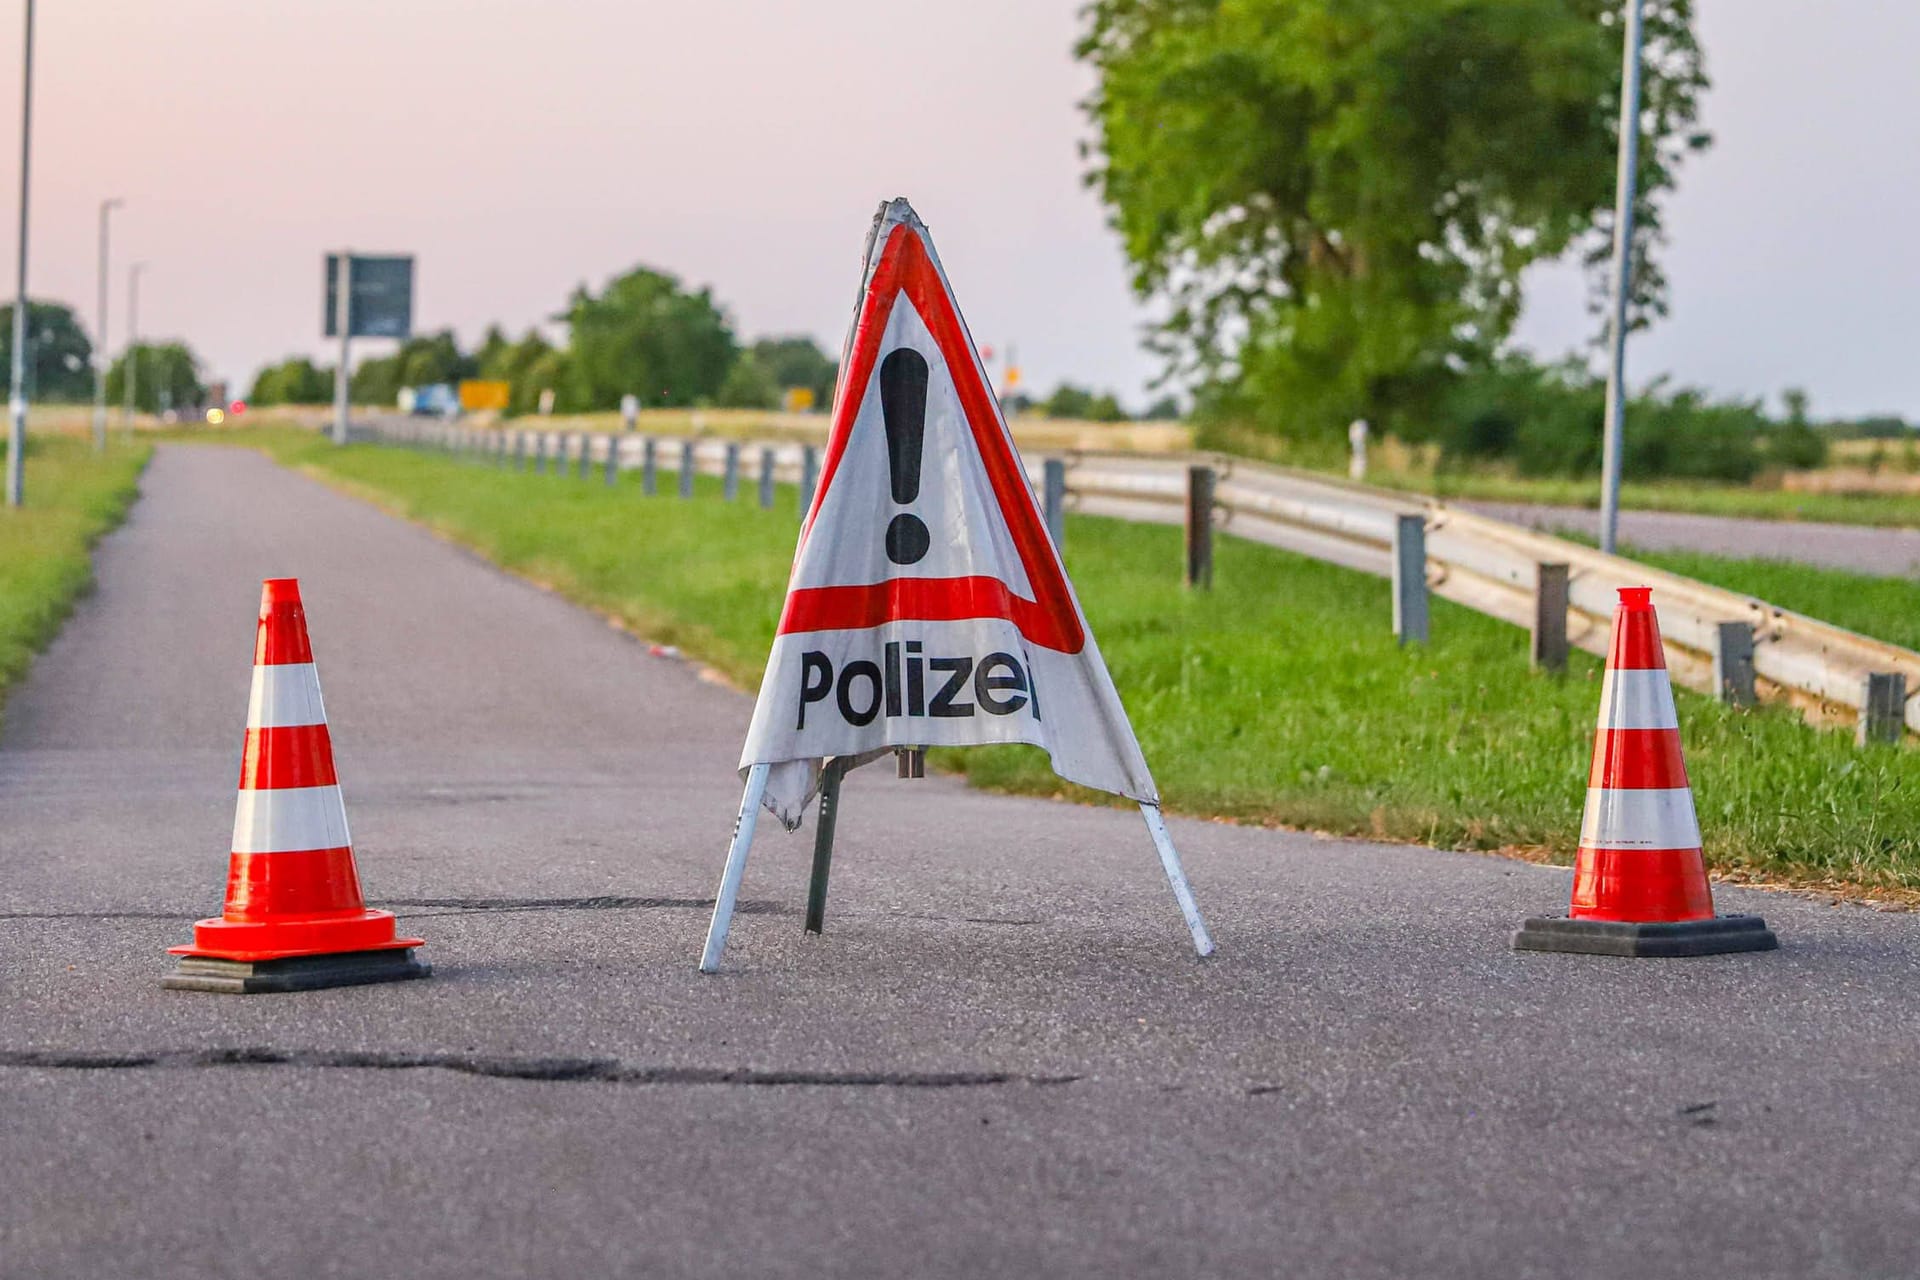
(296,973)
(1617,938)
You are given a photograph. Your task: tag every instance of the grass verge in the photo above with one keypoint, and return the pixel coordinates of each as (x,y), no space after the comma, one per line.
(1279,697)
(72,498)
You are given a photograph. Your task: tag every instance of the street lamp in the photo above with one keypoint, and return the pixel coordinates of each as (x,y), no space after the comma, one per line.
(131,374)
(17,400)
(100,337)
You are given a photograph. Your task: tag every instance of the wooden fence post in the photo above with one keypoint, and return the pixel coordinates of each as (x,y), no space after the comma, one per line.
(1733,664)
(1200,484)
(1883,717)
(1053,500)
(1550,617)
(809,477)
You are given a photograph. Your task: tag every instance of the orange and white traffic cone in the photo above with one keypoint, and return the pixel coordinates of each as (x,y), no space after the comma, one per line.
(1639,883)
(294,919)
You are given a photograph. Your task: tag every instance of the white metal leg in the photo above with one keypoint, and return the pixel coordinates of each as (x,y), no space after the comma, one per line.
(736,865)
(1170,861)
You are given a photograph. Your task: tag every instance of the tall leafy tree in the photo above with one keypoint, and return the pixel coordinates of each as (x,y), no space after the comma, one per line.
(644,334)
(421,361)
(748,385)
(166,375)
(295,380)
(797,361)
(1335,200)
(59,355)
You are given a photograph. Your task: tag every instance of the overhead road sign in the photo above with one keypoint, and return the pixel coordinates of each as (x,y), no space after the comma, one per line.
(381,296)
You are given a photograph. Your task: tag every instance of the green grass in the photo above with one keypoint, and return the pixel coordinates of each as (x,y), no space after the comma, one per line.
(71,499)
(1280,697)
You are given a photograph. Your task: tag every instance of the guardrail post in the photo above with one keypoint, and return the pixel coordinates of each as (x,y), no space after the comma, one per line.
(1053,500)
(1884,709)
(649,466)
(586,456)
(1550,617)
(539,452)
(766,479)
(519,452)
(1733,664)
(1200,482)
(732,481)
(613,458)
(809,477)
(1410,579)
(686,468)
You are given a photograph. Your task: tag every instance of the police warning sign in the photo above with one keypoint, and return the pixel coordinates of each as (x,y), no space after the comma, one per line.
(927,604)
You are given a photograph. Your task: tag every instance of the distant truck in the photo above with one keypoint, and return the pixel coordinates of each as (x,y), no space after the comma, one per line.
(439,400)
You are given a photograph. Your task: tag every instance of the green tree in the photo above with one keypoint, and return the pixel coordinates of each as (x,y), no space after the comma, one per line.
(797,361)
(1794,443)
(295,380)
(645,335)
(1069,401)
(166,375)
(1336,199)
(529,366)
(421,361)
(59,358)
(748,386)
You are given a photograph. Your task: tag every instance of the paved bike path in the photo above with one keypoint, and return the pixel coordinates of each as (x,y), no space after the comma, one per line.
(1002,1058)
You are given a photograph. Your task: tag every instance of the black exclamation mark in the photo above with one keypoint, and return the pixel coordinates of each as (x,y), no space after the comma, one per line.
(903,405)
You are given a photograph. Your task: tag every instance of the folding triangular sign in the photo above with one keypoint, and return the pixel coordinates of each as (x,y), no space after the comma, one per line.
(927,605)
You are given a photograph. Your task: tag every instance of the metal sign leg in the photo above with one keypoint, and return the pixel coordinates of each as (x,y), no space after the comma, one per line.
(736,865)
(1170,862)
(823,845)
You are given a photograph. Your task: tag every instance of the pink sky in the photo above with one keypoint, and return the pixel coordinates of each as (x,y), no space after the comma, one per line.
(519,147)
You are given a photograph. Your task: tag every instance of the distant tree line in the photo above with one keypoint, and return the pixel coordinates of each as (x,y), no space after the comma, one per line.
(1545,420)
(60,363)
(644,334)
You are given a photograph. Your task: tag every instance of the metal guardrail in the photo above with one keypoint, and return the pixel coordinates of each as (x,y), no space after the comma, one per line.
(1495,568)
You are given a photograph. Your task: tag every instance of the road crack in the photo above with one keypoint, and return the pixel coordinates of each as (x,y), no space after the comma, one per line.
(507,1067)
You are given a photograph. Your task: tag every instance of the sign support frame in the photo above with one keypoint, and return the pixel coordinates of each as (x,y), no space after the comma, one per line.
(831,776)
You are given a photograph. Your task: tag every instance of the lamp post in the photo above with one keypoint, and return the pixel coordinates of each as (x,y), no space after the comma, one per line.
(17,400)
(100,337)
(131,375)
(1622,282)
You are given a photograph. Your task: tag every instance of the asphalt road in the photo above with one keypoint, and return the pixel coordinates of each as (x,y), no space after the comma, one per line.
(1861,548)
(1002,1058)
